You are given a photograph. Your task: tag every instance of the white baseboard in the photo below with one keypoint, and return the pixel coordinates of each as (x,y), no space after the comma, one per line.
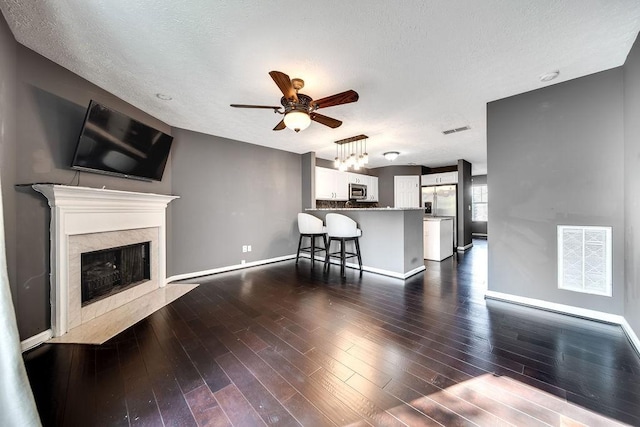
(464,248)
(287,257)
(571,311)
(36,340)
(371,269)
(185,276)
(631,335)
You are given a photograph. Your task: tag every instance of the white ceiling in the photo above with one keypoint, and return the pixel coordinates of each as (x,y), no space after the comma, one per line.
(420,67)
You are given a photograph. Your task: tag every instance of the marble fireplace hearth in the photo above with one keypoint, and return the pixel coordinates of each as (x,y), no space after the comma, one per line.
(89,219)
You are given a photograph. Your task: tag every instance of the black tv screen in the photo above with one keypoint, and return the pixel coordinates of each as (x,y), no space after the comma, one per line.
(115,144)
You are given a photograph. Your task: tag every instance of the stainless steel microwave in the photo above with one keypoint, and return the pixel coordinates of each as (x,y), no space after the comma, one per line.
(357,192)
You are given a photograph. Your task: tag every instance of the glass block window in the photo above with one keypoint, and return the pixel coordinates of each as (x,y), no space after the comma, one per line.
(479,203)
(584,259)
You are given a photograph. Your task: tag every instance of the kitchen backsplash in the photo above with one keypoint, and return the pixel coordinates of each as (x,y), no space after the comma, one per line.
(334,204)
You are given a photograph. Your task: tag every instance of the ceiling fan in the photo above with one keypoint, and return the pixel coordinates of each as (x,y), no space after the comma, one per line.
(298,108)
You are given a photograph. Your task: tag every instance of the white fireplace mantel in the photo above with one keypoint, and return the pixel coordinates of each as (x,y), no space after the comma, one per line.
(84,210)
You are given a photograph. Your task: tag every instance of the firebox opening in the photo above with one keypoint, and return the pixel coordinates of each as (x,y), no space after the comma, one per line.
(109,271)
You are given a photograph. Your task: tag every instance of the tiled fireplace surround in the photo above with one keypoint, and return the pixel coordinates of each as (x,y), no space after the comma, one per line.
(87,219)
(82,243)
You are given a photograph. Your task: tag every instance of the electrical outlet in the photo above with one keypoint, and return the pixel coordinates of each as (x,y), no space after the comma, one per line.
(242,262)
(248,248)
(244,248)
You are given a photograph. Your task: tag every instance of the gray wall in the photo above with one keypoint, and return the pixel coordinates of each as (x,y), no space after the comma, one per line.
(478,227)
(49,110)
(386,196)
(308,176)
(8,61)
(42,109)
(231,194)
(464,204)
(632,186)
(556,156)
(324,163)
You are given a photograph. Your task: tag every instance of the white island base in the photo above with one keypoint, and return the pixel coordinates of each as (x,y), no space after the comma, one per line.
(438,238)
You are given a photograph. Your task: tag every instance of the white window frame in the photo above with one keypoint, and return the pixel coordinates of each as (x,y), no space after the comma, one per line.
(473,202)
(608,260)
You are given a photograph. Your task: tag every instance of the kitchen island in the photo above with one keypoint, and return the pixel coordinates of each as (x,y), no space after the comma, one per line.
(391,242)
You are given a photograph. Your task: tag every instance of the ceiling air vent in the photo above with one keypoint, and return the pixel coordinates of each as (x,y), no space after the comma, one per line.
(450,131)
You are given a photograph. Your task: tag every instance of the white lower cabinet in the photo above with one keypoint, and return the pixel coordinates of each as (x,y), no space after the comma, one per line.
(438,238)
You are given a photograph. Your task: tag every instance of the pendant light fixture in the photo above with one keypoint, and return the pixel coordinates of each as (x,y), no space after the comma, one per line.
(351,153)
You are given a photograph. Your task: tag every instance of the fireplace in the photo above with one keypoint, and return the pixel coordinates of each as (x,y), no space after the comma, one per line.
(97,221)
(108,271)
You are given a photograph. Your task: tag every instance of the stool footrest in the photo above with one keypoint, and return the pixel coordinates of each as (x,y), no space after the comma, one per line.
(312,250)
(347,254)
(343,254)
(308,249)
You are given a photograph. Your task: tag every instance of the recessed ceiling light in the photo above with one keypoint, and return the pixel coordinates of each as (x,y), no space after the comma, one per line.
(163,97)
(547,77)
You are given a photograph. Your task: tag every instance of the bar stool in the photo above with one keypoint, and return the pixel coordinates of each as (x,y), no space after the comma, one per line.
(312,227)
(342,229)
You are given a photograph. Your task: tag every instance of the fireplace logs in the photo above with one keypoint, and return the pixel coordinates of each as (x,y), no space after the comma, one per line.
(109,271)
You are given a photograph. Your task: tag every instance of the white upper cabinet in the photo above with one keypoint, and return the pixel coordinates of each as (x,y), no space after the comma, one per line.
(372,188)
(356,178)
(341,185)
(331,184)
(440,178)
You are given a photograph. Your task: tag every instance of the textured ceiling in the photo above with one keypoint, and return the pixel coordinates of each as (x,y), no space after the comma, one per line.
(420,67)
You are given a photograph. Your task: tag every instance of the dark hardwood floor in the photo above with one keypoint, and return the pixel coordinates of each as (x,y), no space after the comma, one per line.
(285,345)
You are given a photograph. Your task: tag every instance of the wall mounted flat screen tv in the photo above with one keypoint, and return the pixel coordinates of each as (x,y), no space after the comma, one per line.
(113,143)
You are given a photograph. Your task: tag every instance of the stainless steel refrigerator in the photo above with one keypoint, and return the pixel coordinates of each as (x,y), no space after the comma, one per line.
(442,200)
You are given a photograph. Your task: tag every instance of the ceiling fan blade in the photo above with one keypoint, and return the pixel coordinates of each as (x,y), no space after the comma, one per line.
(327,121)
(337,99)
(269,107)
(280,125)
(284,84)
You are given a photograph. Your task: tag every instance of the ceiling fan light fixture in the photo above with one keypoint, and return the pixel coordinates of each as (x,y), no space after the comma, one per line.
(298,108)
(297,120)
(391,155)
